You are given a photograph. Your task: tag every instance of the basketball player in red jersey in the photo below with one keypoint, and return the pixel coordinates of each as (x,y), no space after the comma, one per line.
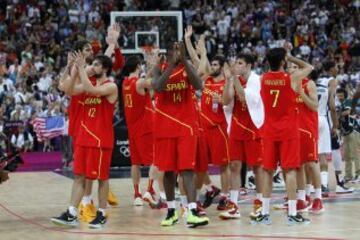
(214,123)
(245,140)
(94,144)
(308,126)
(139,114)
(280,129)
(87,209)
(176,130)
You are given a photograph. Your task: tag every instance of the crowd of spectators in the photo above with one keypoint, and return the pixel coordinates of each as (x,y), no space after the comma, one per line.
(35,36)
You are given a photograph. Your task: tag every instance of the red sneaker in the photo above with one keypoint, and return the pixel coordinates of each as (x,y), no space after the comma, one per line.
(223,203)
(317,206)
(301,206)
(200,210)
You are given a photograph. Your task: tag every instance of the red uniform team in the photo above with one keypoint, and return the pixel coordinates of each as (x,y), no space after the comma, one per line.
(168,130)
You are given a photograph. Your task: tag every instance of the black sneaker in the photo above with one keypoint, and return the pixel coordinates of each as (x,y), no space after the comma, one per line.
(65,219)
(297,220)
(325,191)
(261,219)
(99,221)
(209,196)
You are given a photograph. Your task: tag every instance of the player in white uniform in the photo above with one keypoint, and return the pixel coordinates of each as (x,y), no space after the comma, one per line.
(326,88)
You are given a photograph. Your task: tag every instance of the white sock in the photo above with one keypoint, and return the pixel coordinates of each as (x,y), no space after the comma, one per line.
(197,195)
(183,200)
(86,200)
(336,159)
(171,204)
(259,196)
(301,195)
(192,205)
(292,207)
(308,189)
(318,193)
(103,211)
(265,206)
(324,178)
(163,195)
(250,173)
(73,211)
(234,196)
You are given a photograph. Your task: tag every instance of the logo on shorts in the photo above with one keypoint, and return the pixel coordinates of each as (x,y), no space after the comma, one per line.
(124,150)
(94,172)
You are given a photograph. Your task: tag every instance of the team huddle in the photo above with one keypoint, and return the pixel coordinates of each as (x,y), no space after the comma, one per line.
(184,114)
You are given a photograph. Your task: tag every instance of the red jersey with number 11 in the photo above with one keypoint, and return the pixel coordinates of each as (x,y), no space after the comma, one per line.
(281,117)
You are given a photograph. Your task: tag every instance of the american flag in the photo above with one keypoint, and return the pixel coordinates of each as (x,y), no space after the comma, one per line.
(48,127)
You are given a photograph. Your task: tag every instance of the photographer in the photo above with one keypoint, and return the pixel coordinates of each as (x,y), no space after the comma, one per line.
(22,141)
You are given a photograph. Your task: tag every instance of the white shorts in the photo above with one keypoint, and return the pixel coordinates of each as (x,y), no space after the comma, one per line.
(324,136)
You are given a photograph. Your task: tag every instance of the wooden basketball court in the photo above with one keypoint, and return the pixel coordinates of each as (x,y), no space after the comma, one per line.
(28,200)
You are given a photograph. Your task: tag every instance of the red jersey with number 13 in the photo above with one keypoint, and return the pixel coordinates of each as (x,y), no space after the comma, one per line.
(281,117)
(139,112)
(96,127)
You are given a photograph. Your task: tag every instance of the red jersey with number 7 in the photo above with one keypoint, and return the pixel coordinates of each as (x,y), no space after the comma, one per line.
(175,113)
(281,117)
(138,108)
(96,125)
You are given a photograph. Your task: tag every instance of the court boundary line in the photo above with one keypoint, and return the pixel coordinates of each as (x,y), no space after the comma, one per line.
(59,230)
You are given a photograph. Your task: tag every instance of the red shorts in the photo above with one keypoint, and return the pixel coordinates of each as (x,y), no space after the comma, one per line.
(249,151)
(92,162)
(288,152)
(308,148)
(142,150)
(217,145)
(176,154)
(202,157)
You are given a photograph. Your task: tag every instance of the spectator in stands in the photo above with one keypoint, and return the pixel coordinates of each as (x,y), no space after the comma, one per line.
(22,140)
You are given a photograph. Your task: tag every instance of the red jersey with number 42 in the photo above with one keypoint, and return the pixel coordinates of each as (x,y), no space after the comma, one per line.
(96,126)
(139,112)
(308,119)
(175,113)
(281,117)
(242,126)
(212,114)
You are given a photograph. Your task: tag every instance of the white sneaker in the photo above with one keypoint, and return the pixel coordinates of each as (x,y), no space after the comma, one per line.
(138,201)
(232,213)
(342,189)
(147,197)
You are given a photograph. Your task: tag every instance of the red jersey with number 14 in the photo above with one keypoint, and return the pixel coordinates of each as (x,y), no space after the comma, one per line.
(96,126)
(281,117)
(175,113)
(139,112)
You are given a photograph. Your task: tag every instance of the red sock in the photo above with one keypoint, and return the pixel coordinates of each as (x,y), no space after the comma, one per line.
(137,192)
(150,188)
